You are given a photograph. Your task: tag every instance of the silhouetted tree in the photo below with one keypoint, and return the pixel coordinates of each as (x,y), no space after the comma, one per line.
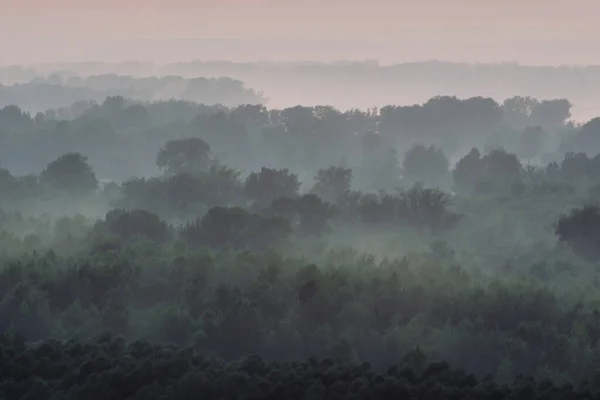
(185,155)
(517,111)
(501,168)
(574,167)
(8,184)
(237,228)
(469,171)
(580,229)
(425,164)
(427,208)
(127,224)
(71,174)
(265,186)
(551,114)
(221,186)
(332,183)
(586,139)
(308,214)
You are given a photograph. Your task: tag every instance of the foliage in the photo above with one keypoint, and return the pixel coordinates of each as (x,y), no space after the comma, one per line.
(267,185)
(332,183)
(354,265)
(70,173)
(127,224)
(122,135)
(109,367)
(468,172)
(581,230)
(425,164)
(68,95)
(308,214)
(356,310)
(191,155)
(236,228)
(497,170)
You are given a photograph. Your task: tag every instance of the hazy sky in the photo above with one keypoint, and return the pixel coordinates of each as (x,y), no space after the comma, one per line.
(529,31)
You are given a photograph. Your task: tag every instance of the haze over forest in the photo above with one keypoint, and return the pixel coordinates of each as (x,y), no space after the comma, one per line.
(276,199)
(166,38)
(343,84)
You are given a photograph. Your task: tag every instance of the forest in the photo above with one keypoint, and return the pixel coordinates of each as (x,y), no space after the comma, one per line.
(170,248)
(67,93)
(343,84)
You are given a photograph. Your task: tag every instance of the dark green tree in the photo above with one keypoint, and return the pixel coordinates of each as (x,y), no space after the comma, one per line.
(468,171)
(127,224)
(184,155)
(580,229)
(332,183)
(70,173)
(265,186)
(426,164)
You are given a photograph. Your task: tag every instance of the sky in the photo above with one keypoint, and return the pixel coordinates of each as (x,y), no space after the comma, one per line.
(527,31)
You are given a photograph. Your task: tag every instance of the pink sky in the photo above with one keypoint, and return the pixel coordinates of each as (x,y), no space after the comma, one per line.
(460,30)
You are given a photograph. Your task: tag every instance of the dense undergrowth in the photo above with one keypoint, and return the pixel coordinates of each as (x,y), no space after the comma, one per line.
(350,307)
(109,368)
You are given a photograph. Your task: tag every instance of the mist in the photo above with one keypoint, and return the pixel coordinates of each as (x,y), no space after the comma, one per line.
(261,199)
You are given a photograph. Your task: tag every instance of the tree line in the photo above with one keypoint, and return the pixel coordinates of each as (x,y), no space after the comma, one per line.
(121,136)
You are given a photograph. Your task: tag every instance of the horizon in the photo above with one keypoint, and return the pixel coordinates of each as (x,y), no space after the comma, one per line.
(373,62)
(535,53)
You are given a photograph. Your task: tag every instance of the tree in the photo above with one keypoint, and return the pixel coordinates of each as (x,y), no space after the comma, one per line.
(468,171)
(299,120)
(580,229)
(593,170)
(221,186)
(8,184)
(425,164)
(265,186)
(502,168)
(220,227)
(14,120)
(494,170)
(191,155)
(574,167)
(70,173)
(237,228)
(428,208)
(254,117)
(185,190)
(308,214)
(142,193)
(113,105)
(551,114)
(127,224)
(332,183)
(586,139)
(517,111)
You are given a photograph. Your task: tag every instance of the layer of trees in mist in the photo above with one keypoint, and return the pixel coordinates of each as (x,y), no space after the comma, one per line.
(120,136)
(60,91)
(462,231)
(365,84)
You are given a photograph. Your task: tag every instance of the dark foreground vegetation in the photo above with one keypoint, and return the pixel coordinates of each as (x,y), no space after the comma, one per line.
(356,241)
(109,368)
